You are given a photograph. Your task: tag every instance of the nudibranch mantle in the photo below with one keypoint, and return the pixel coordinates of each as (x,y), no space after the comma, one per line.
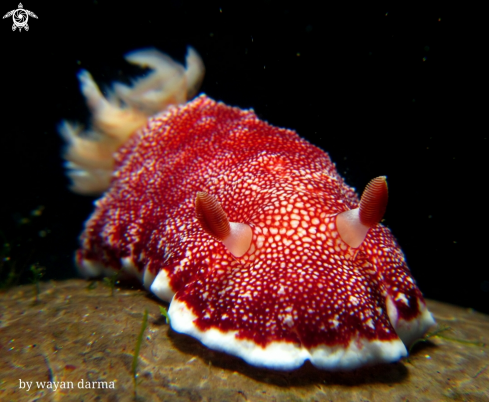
(296,289)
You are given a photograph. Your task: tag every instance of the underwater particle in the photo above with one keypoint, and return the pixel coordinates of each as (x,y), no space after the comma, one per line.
(38,211)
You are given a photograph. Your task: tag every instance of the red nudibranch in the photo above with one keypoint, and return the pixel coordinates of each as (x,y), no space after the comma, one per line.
(248,230)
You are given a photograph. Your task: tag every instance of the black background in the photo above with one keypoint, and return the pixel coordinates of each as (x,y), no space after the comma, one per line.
(396,92)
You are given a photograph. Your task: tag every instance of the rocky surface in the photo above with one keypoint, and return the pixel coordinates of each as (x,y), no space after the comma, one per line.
(75,333)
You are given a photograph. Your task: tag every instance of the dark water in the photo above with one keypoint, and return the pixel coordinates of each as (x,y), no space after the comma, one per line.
(383,91)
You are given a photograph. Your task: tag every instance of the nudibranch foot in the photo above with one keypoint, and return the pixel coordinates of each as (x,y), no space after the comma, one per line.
(409,330)
(90,155)
(282,355)
(248,230)
(161,286)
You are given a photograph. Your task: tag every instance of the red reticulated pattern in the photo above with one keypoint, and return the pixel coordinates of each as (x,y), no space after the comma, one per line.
(298,282)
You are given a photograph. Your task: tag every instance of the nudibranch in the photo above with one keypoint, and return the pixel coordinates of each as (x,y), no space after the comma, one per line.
(248,230)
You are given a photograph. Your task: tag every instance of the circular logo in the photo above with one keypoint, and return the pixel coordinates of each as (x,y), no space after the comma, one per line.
(20,17)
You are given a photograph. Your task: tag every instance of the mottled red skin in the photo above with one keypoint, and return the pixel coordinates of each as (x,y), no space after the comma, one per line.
(148,214)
